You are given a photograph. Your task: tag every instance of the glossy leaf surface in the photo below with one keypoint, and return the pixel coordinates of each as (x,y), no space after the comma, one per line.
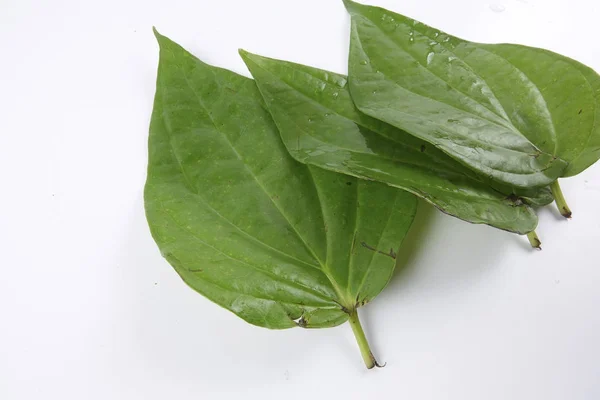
(277,242)
(320,126)
(521,115)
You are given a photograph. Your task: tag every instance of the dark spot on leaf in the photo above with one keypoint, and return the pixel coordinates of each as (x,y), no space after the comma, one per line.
(515,200)
(453,120)
(360,303)
(391,254)
(422,148)
(302,323)
(349,183)
(580,111)
(364,244)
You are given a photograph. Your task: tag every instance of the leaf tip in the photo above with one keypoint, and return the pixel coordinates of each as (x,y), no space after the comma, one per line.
(163,41)
(243,53)
(248,57)
(160,38)
(156,34)
(350,5)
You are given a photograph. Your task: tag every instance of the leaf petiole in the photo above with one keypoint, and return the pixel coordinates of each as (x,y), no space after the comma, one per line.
(534,240)
(363,344)
(561,203)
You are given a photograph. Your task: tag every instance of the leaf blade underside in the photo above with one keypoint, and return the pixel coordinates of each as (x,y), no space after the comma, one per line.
(244,224)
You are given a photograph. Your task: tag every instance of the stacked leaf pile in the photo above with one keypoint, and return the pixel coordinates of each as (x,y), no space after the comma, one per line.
(285,198)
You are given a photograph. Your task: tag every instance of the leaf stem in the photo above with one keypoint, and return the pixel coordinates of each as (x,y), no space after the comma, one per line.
(534,240)
(363,344)
(561,203)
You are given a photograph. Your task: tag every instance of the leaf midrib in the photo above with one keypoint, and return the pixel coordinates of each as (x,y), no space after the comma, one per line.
(334,306)
(326,270)
(503,148)
(194,191)
(250,172)
(355,232)
(394,160)
(553,135)
(329,108)
(252,266)
(510,128)
(323,266)
(375,253)
(395,143)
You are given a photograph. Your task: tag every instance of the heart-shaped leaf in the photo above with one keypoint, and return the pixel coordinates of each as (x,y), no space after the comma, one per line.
(523,116)
(320,126)
(278,243)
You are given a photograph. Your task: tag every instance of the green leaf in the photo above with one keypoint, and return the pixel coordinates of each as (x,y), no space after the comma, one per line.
(523,116)
(320,126)
(278,243)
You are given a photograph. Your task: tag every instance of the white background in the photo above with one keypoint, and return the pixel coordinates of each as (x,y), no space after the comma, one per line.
(90,310)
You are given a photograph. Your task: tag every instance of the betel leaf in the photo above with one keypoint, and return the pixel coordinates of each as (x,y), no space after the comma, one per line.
(276,242)
(523,116)
(320,126)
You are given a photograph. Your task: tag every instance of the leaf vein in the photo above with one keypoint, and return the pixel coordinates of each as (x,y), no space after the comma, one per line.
(251,173)
(252,266)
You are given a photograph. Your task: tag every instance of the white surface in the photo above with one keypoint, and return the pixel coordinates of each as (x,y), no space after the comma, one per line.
(89,309)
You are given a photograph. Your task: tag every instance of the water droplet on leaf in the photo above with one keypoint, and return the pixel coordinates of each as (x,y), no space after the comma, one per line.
(430,57)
